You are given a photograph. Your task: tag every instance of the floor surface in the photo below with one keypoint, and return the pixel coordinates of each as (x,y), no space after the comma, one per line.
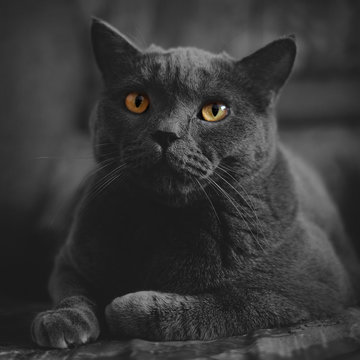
(335,339)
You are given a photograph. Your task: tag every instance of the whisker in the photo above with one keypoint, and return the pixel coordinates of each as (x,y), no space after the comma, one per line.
(223,168)
(236,208)
(101,166)
(242,198)
(251,207)
(106,181)
(62,157)
(207,196)
(103,144)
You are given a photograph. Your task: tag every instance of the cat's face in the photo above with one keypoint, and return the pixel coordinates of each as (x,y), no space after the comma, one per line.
(175,119)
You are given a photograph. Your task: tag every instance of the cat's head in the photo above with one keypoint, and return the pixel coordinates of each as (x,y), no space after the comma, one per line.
(175,119)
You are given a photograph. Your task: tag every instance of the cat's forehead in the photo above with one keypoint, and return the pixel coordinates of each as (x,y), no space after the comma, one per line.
(185,65)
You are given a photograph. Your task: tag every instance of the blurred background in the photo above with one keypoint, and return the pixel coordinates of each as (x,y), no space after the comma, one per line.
(49,83)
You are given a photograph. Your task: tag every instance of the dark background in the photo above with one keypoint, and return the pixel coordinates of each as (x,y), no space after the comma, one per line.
(48,84)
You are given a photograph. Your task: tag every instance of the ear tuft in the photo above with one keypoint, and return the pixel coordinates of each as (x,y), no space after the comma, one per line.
(269,67)
(112,50)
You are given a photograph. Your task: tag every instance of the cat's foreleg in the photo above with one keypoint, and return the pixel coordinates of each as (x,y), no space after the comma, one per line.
(165,316)
(73,320)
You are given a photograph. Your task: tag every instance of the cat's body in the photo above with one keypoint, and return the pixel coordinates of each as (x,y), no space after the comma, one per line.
(248,238)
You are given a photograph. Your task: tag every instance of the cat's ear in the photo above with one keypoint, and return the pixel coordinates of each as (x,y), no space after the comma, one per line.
(269,67)
(113,51)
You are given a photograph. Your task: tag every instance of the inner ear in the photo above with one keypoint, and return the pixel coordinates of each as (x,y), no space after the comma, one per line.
(268,68)
(113,51)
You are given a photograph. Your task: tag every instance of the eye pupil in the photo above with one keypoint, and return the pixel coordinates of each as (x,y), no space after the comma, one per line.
(215,109)
(138,100)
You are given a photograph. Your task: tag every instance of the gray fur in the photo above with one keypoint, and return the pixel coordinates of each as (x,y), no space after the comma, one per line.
(233,234)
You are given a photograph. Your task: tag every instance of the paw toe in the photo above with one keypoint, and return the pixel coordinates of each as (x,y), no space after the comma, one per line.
(63,328)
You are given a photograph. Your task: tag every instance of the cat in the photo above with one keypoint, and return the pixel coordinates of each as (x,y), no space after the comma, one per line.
(198,223)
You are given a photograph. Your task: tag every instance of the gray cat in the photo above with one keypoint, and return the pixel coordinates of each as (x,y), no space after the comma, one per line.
(198,223)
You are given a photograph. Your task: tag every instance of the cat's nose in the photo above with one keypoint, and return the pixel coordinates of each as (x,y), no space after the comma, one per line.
(164,138)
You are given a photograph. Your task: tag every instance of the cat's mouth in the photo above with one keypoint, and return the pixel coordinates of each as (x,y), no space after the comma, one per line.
(187,166)
(170,172)
(179,172)
(177,181)
(171,180)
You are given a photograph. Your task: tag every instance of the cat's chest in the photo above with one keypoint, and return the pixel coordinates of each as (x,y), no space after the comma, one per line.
(168,251)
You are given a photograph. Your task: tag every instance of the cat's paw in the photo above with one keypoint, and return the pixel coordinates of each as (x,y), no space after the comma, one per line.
(157,316)
(135,315)
(63,328)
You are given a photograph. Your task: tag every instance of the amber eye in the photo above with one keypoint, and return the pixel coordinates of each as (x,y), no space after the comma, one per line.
(214,111)
(137,103)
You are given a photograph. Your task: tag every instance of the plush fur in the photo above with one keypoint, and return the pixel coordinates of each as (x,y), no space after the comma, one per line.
(219,232)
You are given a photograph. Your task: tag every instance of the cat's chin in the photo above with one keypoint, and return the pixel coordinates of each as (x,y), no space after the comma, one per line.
(169,185)
(175,201)
(170,189)
(173,192)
